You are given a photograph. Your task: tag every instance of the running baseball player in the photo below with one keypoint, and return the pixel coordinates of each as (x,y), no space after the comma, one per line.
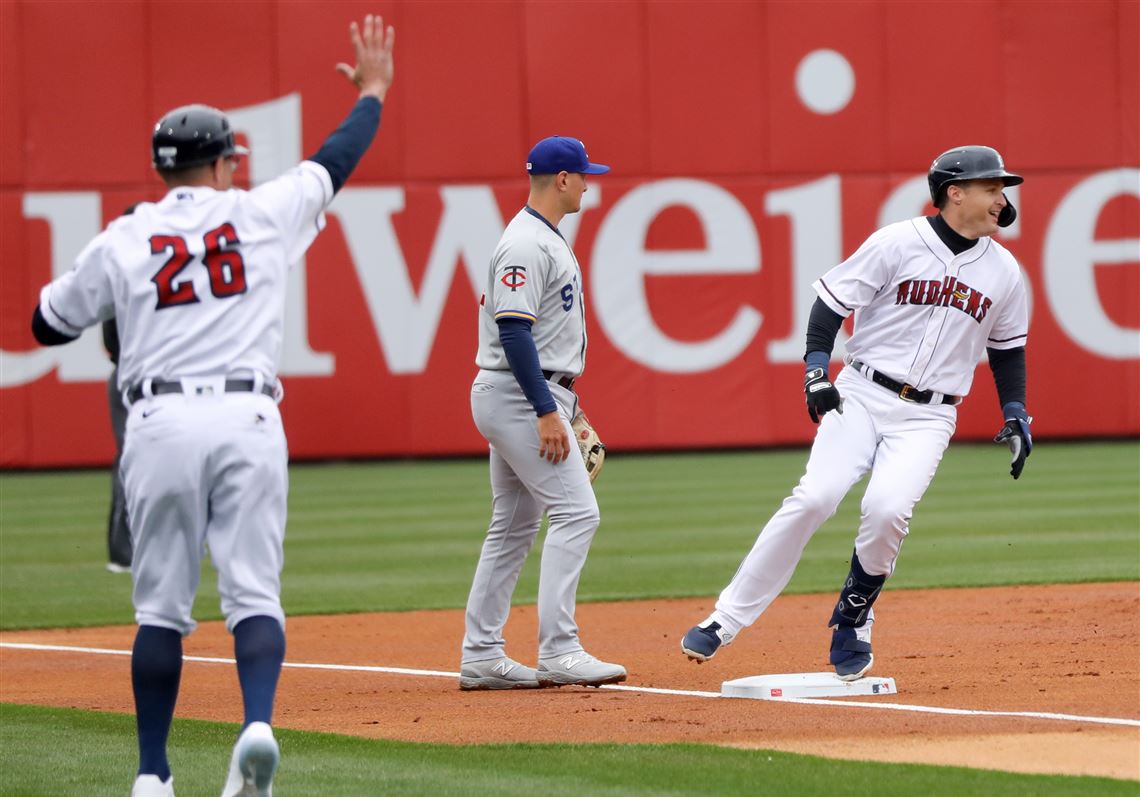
(928,295)
(196,283)
(532,347)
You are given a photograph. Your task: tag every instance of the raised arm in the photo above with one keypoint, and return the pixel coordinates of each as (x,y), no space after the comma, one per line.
(344,148)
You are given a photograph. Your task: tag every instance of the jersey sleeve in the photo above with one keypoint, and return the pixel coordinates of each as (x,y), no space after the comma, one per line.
(519,279)
(83,296)
(856,281)
(295,203)
(1011,326)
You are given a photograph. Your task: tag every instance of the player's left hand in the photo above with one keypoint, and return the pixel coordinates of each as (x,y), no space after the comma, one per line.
(822,396)
(373,45)
(1016,435)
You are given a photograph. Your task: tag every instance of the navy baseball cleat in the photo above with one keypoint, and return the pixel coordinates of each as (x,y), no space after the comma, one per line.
(850,655)
(702,641)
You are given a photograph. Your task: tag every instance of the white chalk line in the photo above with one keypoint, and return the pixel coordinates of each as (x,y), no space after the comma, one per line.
(808,701)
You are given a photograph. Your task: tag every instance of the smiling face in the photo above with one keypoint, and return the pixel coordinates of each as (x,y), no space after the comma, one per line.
(972,207)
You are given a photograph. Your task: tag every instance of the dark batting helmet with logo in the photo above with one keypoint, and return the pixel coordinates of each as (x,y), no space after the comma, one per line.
(191,136)
(971,163)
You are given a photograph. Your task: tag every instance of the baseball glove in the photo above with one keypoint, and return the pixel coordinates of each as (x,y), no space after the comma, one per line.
(589,444)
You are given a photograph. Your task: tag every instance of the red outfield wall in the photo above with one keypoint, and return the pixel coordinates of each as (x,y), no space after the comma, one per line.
(753,146)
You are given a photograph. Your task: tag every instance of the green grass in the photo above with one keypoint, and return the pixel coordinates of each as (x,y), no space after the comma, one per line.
(47,752)
(406,535)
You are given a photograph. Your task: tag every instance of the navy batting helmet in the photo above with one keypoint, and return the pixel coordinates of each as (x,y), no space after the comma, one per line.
(971,163)
(191,136)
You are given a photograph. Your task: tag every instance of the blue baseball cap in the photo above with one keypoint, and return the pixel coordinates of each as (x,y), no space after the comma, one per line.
(561,154)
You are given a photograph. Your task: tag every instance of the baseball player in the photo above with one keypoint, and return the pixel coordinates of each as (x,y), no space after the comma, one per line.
(928,295)
(196,283)
(532,347)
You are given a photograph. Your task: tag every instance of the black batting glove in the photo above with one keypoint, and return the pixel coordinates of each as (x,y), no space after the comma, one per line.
(822,396)
(1016,435)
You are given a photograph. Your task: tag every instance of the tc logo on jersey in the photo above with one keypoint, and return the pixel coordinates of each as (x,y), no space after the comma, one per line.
(514,277)
(952,293)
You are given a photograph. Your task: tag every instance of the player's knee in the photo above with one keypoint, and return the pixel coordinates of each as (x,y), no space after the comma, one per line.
(817,503)
(583,518)
(165,617)
(888,519)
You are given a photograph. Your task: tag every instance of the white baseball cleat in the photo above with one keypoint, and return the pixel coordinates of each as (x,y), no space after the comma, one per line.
(501,673)
(151,786)
(578,668)
(253,763)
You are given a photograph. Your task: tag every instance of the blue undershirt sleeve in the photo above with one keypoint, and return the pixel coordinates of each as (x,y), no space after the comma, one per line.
(522,356)
(823,327)
(346,145)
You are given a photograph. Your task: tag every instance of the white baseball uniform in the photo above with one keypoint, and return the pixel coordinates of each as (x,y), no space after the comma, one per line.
(535,276)
(923,317)
(197,284)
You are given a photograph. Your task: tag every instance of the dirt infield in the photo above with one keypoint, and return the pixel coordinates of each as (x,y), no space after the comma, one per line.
(1070,649)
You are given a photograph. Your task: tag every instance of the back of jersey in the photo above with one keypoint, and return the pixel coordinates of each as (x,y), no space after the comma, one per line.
(197,280)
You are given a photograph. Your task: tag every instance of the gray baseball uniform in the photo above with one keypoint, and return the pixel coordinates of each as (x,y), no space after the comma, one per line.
(535,276)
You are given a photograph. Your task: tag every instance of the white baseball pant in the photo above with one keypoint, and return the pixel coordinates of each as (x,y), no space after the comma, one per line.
(901,443)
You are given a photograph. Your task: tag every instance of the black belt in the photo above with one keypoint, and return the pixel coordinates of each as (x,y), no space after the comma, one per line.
(158,388)
(565,381)
(904,391)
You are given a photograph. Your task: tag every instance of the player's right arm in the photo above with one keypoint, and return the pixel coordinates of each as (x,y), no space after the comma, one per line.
(522,356)
(75,300)
(821,395)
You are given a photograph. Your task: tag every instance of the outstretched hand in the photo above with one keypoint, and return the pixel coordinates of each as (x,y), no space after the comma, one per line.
(374,69)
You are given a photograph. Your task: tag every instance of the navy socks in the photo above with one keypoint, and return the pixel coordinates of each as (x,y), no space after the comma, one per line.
(156,669)
(259,647)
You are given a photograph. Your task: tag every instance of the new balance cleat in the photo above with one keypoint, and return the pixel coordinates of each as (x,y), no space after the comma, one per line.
(253,763)
(702,641)
(578,668)
(503,673)
(152,786)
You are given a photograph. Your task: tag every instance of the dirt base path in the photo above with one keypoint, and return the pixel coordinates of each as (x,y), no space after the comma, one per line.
(1071,649)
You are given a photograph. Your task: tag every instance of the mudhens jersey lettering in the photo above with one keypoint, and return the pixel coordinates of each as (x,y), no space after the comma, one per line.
(534,276)
(924,315)
(196,282)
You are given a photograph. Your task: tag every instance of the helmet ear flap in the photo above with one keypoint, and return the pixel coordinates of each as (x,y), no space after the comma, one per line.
(1008,214)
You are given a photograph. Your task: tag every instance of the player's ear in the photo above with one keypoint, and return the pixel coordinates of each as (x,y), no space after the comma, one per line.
(221,170)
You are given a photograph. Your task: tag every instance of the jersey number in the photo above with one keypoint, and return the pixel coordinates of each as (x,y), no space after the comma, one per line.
(225,266)
(567,294)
